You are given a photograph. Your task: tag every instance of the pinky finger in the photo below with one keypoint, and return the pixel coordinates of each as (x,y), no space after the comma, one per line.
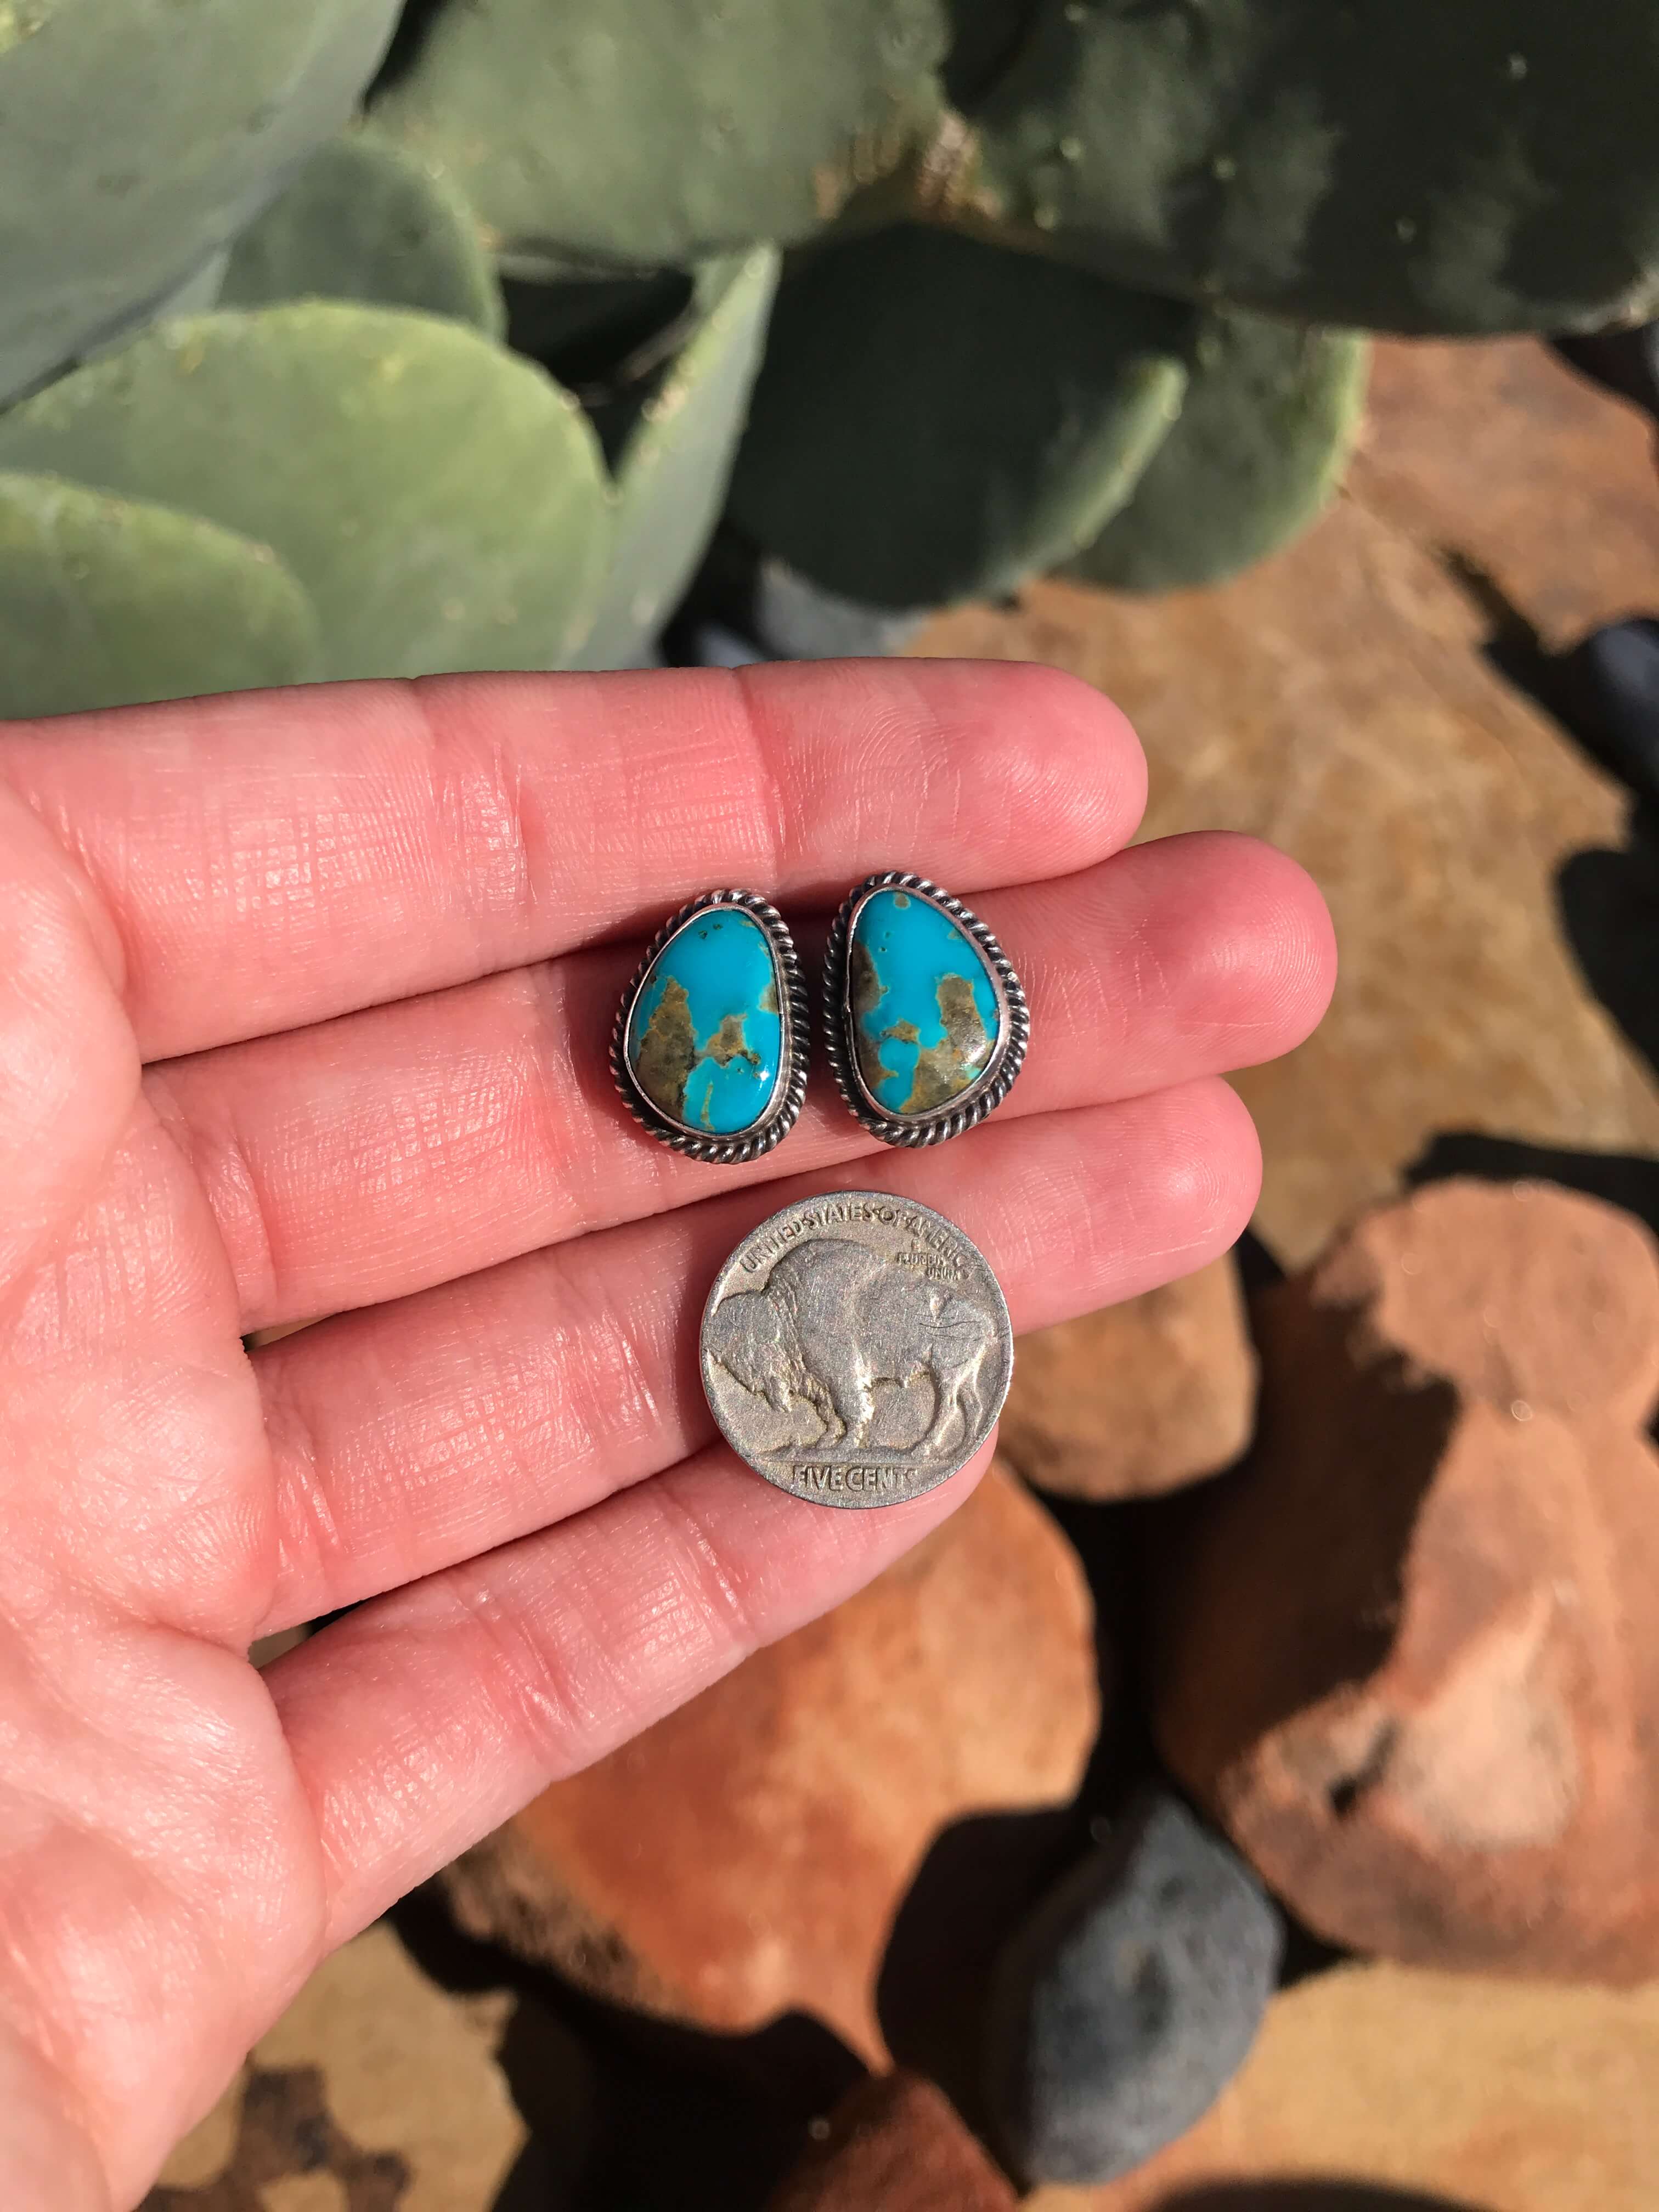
(427,1719)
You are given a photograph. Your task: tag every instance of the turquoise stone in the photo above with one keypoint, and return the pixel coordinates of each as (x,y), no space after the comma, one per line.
(926,1019)
(705,1043)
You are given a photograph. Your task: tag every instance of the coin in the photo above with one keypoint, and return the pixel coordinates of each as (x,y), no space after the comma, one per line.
(856,1349)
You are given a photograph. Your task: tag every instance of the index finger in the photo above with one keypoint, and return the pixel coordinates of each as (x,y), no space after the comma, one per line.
(277,858)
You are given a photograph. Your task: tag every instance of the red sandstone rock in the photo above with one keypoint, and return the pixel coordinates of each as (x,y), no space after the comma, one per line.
(1512,1292)
(895,2144)
(1502,457)
(1138,1399)
(1408,1655)
(747,1854)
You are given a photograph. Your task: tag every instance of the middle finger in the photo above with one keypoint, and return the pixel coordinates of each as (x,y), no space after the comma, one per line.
(412,1144)
(419,1435)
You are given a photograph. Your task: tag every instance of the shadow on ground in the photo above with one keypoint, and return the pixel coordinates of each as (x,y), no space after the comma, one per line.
(1609,904)
(626,2113)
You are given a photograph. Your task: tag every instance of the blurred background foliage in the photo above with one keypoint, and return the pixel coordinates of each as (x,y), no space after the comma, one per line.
(339,338)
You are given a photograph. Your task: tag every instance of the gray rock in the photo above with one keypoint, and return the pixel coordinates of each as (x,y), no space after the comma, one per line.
(1621,663)
(798,620)
(1126,2003)
(715,646)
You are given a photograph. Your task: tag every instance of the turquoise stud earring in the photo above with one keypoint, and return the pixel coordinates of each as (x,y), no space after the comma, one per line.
(710,1046)
(927,1023)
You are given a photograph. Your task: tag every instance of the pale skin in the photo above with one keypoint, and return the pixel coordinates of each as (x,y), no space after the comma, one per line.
(303,1010)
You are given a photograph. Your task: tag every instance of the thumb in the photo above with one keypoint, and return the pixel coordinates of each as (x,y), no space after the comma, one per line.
(69,1061)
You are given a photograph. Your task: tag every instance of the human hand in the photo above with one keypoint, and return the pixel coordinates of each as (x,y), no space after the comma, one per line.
(304,1008)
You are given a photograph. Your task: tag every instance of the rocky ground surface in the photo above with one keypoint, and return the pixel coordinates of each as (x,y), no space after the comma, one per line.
(1247,1804)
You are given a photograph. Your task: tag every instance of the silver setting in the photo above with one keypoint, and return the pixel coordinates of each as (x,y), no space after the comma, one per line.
(780,1119)
(856,1349)
(939,1123)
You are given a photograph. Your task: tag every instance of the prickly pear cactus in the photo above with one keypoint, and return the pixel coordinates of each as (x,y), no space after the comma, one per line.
(442,504)
(642,132)
(937,417)
(1269,418)
(460,387)
(671,472)
(368,222)
(109,603)
(137,137)
(1490,166)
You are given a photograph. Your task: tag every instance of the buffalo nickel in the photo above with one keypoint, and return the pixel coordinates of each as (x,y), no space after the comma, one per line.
(856,1349)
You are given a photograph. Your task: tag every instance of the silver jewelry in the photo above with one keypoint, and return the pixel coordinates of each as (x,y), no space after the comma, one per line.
(710,1046)
(926,1022)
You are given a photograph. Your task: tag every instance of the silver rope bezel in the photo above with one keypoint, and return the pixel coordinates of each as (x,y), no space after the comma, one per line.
(939,1123)
(781,1117)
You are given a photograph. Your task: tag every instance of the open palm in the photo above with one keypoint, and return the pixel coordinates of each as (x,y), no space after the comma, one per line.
(304,1001)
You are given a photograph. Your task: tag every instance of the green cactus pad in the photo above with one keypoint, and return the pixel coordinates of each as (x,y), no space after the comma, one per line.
(636,133)
(444,504)
(936,418)
(107,602)
(1271,413)
(672,472)
(367,221)
(138,136)
(1488,166)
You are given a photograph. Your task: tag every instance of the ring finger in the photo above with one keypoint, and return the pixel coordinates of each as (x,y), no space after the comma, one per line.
(415,1436)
